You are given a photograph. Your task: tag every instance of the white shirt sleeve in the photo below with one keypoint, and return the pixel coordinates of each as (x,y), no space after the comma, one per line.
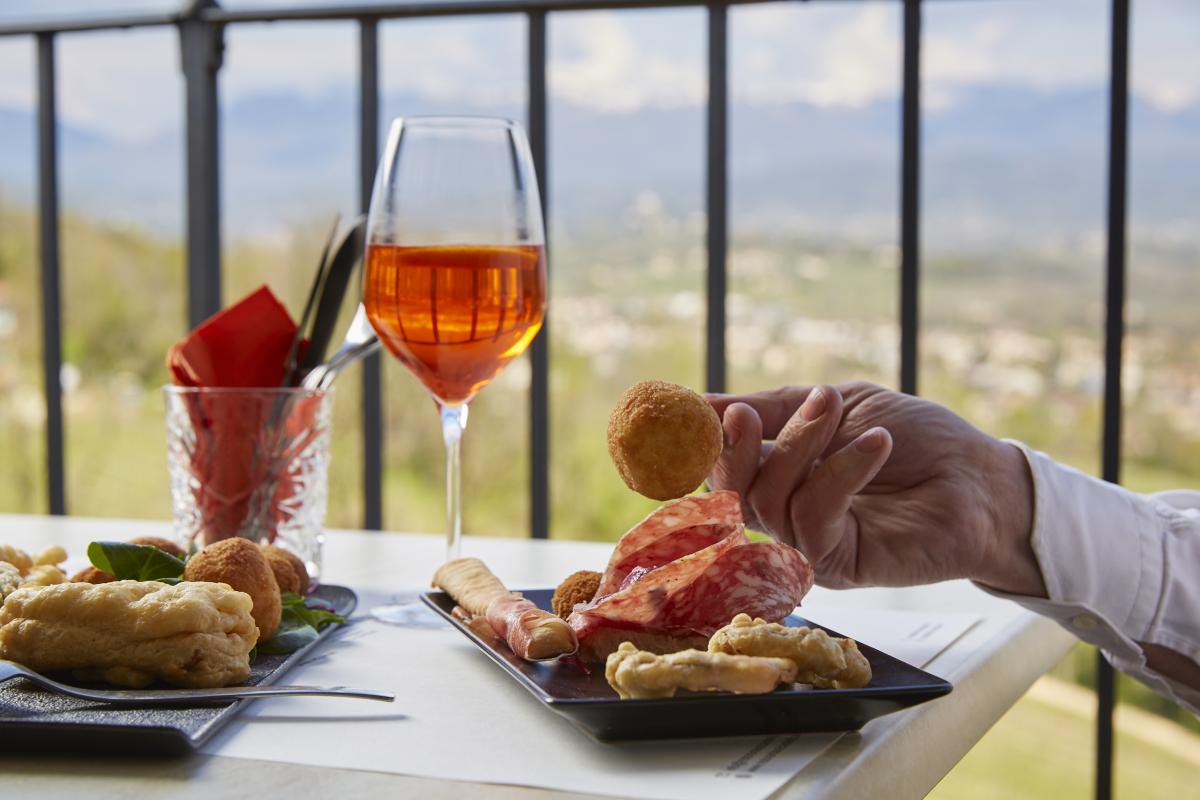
(1120,568)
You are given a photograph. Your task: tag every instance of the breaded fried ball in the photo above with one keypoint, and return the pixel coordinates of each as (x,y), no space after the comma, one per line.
(290,572)
(166,545)
(91,575)
(578,587)
(664,439)
(241,564)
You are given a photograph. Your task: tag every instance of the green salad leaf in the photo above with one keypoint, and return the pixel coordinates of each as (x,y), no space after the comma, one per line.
(298,626)
(135,562)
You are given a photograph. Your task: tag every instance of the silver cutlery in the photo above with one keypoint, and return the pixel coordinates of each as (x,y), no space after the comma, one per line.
(9,670)
(360,341)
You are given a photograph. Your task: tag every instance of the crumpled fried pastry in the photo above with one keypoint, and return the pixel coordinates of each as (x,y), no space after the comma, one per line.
(193,634)
(638,673)
(824,661)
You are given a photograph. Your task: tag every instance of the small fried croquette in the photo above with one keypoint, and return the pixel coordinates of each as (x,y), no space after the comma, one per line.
(166,545)
(290,572)
(664,439)
(241,564)
(92,575)
(578,587)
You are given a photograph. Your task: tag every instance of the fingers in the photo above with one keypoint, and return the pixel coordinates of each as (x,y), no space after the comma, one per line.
(738,463)
(799,445)
(819,508)
(774,406)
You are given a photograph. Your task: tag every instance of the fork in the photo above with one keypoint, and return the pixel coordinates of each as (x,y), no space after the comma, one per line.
(360,340)
(9,670)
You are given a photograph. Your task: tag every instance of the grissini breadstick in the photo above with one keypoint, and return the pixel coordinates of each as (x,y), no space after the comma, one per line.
(470,583)
(532,633)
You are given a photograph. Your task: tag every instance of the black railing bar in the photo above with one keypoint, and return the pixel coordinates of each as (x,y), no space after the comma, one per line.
(51,295)
(539,351)
(910,197)
(1114,339)
(376,12)
(201,48)
(372,366)
(716,196)
(88,24)
(433,8)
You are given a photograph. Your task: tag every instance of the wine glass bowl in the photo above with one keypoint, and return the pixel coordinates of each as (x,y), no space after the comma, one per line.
(455,278)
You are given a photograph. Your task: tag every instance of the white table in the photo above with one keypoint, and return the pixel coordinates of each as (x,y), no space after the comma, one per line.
(899,755)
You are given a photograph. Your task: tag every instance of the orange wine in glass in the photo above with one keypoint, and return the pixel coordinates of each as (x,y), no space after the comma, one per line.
(455,278)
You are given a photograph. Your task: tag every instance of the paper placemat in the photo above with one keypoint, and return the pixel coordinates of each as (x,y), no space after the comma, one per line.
(458,717)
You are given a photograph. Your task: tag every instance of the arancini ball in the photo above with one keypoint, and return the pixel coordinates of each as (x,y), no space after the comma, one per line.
(664,439)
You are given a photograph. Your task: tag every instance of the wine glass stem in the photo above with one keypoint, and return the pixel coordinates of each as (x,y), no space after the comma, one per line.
(454,422)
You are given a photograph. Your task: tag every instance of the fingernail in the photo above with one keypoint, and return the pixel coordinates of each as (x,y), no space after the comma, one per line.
(870,441)
(814,406)
(731,438)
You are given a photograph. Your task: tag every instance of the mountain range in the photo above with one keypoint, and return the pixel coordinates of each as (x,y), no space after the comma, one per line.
(998,162)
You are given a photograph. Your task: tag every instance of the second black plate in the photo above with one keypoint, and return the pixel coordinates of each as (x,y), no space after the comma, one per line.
(590,703)
(33,719)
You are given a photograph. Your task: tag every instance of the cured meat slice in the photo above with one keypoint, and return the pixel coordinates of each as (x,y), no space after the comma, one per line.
(670,532)
(659,606)
(766,580)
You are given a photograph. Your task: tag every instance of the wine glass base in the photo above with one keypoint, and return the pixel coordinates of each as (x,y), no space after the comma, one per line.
(407,611)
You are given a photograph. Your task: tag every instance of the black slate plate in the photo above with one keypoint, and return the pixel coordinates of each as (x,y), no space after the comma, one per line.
(32,719)
(591,704)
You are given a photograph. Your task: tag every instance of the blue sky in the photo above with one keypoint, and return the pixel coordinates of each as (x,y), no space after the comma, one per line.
(126,84)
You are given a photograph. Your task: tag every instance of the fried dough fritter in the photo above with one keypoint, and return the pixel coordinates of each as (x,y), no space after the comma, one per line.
(241,564)
(166,545)
(195,635)
(92,575)
(664,439)
(825,661)
(637,673)
(290,572)
(17,557)
(578,587)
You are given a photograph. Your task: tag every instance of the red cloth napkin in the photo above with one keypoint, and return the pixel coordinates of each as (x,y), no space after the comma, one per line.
(245,443)
(247,344)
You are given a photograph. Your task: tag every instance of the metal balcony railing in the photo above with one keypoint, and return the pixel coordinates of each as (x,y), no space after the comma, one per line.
(201,31)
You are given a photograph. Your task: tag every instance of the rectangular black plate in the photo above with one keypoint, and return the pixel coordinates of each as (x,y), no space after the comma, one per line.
(33,719)
(591,704)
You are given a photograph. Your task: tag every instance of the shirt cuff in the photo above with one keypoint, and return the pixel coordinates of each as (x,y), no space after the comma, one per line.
(1099,548)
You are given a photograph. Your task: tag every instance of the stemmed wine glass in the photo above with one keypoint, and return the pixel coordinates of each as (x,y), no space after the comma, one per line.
(455,279)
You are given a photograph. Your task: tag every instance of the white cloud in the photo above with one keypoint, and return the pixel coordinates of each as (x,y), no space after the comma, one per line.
(827,55)
(597,60)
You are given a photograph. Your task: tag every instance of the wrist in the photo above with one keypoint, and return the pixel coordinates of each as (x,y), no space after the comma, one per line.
(1009,564)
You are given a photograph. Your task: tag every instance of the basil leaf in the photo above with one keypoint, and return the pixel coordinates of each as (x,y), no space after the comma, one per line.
(289,639)
(298,625)
(134,562)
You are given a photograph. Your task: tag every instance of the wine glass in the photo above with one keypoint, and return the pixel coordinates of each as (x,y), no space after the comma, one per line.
(455,278)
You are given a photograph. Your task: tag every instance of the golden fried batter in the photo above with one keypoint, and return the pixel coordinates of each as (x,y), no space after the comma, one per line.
(166,545)
(822,660)
(663,438)
(578,587)
(637,673)
(197,635)
(92,575)
(290,572)
(241,564)
(16,556)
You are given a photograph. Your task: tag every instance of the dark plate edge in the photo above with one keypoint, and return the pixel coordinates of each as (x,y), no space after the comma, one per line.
(936,687)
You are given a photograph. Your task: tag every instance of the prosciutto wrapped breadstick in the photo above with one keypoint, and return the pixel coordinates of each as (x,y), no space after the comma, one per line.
(532,633)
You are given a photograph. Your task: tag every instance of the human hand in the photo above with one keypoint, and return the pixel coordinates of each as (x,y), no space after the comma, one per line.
(879,488)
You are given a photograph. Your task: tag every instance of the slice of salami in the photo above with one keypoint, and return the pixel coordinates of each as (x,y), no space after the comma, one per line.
(763,579)
(643,602)
(674,530)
